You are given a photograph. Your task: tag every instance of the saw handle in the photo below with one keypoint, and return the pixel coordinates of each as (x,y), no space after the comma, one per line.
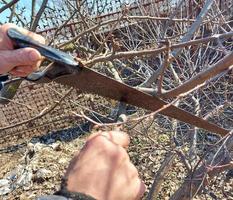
(21,41)
(8,88)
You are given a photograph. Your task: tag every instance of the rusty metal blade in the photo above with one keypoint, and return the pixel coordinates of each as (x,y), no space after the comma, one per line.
(87,80)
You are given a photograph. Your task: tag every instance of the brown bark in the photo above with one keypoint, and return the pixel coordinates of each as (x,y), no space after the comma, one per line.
(8,5)
(222,65)
(195,182)
(38,15)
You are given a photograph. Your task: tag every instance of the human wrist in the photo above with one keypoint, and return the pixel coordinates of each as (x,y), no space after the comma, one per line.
(71,194)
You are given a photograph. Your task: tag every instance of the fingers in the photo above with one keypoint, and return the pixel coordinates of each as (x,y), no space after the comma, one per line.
(22,71)
(24,56)
(132,175)
(103,157)
(5,41)
(140,188)
(20,62)
(117,137)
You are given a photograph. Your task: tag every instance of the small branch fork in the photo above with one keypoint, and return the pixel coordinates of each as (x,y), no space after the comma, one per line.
(150,52)
(165,65)
(9,5)
(82,115)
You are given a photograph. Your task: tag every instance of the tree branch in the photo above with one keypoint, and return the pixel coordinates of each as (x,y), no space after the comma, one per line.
(195,182)
(36,19)
(149,52)
(224,64)
(8,5)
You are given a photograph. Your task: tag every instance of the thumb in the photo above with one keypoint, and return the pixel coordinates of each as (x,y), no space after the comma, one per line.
(19,57)
(117,137)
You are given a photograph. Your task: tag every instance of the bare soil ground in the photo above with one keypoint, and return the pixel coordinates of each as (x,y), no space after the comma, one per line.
(36,168)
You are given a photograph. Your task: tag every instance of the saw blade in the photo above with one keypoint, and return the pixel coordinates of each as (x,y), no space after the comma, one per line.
(90,81)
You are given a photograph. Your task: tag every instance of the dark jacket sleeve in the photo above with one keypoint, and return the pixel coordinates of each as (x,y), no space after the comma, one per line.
(68,196)
(52,197)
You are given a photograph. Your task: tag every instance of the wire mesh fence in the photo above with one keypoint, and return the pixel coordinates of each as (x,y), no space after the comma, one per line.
(25,115)
(42,109)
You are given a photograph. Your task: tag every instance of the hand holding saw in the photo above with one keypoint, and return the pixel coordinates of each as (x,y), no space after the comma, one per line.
(65,70)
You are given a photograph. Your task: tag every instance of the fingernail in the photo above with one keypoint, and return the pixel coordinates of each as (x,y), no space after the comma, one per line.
(34,56)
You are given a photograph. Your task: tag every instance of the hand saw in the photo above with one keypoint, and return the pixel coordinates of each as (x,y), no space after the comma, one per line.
(65,70)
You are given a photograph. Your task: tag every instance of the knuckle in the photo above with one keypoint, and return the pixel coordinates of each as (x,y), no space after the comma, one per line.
(28,56)
(133,170)
(98,141)
(22,56)
(35,36)
(120,155)
(7,26)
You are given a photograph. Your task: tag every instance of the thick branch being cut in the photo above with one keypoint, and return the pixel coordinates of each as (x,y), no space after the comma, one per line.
(224,64)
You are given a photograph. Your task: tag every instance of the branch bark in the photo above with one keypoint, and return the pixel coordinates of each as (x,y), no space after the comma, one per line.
(8,5)
(194,27)
(195,182)
(149,52)
(36,19)
(224,64)
(160,176)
